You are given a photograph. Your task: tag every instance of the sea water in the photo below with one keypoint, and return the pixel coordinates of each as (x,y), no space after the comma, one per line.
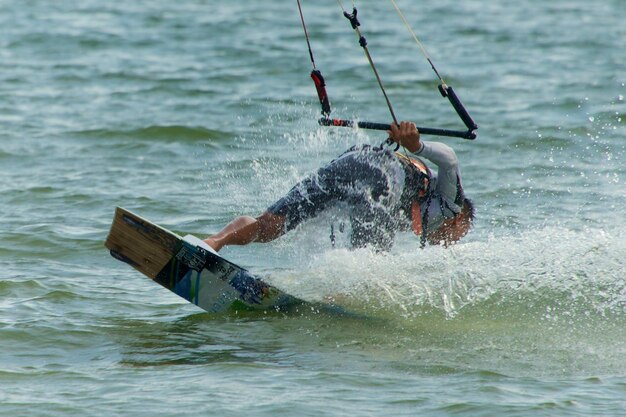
(192,112)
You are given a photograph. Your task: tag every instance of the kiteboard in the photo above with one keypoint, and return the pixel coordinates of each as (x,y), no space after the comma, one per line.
(189,267)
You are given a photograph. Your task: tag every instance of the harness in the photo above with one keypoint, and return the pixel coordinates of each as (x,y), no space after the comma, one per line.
(419,182)
(416,191)
(422,170)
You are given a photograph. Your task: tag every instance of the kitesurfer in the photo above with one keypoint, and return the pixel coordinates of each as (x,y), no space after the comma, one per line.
(383,192)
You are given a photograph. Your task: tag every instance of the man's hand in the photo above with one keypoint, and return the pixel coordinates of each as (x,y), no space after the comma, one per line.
(406,135)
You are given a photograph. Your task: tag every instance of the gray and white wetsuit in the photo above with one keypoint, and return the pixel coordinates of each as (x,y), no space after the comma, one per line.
(379,188)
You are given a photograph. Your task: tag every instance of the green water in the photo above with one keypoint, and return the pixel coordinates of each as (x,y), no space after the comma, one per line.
(192,112)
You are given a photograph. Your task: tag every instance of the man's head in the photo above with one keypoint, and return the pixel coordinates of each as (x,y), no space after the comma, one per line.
(453,229)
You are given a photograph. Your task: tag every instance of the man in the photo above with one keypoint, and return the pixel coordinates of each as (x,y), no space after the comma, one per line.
(383,192)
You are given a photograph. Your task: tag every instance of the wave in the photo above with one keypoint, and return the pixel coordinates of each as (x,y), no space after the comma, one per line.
(10,287)
(157,132)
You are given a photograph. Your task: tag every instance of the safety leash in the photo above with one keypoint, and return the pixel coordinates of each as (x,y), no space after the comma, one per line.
(354,22)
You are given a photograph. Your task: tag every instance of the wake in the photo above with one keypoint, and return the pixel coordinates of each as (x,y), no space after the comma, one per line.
(532,272)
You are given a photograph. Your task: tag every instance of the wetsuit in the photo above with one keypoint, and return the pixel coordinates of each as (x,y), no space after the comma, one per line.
(379,187)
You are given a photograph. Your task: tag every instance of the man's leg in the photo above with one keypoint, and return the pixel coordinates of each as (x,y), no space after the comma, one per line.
(334,182)
(246,229)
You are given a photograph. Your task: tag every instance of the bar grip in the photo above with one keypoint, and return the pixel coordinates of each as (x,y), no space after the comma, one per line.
(325,121)
(448,92)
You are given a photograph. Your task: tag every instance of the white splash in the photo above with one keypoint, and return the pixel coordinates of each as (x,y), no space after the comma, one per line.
(577,267)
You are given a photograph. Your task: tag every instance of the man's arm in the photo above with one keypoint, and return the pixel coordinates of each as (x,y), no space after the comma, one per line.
(448,176)
(246,229)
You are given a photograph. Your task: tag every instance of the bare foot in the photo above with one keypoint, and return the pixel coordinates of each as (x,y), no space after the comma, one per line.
(213,244)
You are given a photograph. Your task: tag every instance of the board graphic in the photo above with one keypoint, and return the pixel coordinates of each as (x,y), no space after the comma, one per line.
(189,267)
